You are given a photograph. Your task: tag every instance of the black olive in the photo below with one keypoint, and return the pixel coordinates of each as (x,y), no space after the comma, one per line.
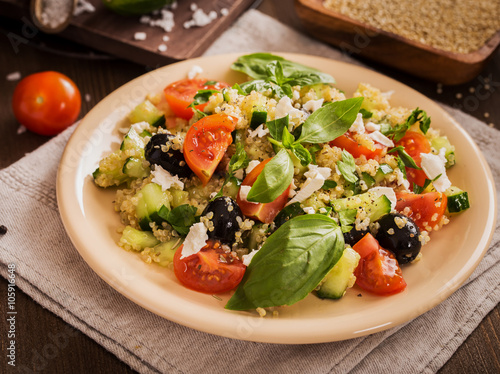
(172,160)
(225,223)
(402,241)
(354,236)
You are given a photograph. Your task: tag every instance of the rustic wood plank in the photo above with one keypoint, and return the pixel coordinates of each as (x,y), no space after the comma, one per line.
(113,33)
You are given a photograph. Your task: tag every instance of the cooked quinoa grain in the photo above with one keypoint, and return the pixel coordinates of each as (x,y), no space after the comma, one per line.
(460,26)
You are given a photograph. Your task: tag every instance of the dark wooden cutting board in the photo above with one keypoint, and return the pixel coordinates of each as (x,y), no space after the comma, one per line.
(114,34)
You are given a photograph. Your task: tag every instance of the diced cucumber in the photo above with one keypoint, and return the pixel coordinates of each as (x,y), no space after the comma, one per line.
(134,168)
(375,207)
(152,199)
(251,241)
(368,179)
(133,141)
(341,277)
(164,252)
(147,111)
(258,118)
(138,239)
(109,173)
(288,213)
(382,171)
(442,142)
(458,200)
(179,197)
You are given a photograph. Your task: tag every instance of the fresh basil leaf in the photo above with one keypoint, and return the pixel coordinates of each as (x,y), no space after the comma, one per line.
(368,179)
(385,128)
(329,184)
(256,66)
(348,167)
(239,160)
(200,113)
(276,127)
(405,157)
(182,217)
(287,139)
(401,166)
(210,83)
(256,85)
(273,180)
(347,218)
(312,150)
(238,88)
(302,154)
(419,189)
(325,210)
(330,121)
(290,264)
(202,97)
(287,213)
(365,113)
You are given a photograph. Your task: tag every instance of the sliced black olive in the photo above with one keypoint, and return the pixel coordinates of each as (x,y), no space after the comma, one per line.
(354,236)
(159,151)
(224,218)
(399,234)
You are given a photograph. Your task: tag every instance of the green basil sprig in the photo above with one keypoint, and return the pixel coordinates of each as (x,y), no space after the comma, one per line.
(273,180)
(398,132)
(181,218)
(276,73)
(290,264)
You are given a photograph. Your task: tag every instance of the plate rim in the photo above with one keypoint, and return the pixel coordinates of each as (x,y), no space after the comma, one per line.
(269,335)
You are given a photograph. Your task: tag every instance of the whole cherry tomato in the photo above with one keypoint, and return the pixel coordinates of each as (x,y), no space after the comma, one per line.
(46,103)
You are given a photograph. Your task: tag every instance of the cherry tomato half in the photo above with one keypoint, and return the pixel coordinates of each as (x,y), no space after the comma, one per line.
(415,143)
(180,94)
(264,212)
(206,143)
(378,271)
(46,103)
(425,209)
(350,144)
(211,270)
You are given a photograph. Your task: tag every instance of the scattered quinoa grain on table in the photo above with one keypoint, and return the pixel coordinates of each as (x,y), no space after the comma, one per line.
(460,26)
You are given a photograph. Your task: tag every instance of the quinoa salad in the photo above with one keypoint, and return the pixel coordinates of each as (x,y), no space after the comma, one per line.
(280,185)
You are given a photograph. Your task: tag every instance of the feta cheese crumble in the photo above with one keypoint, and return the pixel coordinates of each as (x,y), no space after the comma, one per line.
(246,259)
(313,105)
(195,240)
(251,165)
(285,107)
(244,191)
(358,126)
(434,166)
(165,179)
(316,177)
(259,131)
(381,138)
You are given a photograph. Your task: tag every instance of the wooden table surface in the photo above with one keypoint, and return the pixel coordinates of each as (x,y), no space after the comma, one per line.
(97,75)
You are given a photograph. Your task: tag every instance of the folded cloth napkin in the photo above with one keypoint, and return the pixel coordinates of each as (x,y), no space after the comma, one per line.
(50,270)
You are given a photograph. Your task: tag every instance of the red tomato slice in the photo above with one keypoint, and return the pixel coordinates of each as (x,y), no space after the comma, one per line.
(46,103)
(180,94)
(425,209)
(206,143)
(347,142)
(264,212)
(415,143)
(211,270)
(378,271)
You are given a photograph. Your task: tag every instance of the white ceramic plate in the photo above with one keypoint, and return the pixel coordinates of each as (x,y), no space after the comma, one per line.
(90,220)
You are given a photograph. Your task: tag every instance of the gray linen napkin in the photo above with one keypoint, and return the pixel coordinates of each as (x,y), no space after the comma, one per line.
(50,270)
